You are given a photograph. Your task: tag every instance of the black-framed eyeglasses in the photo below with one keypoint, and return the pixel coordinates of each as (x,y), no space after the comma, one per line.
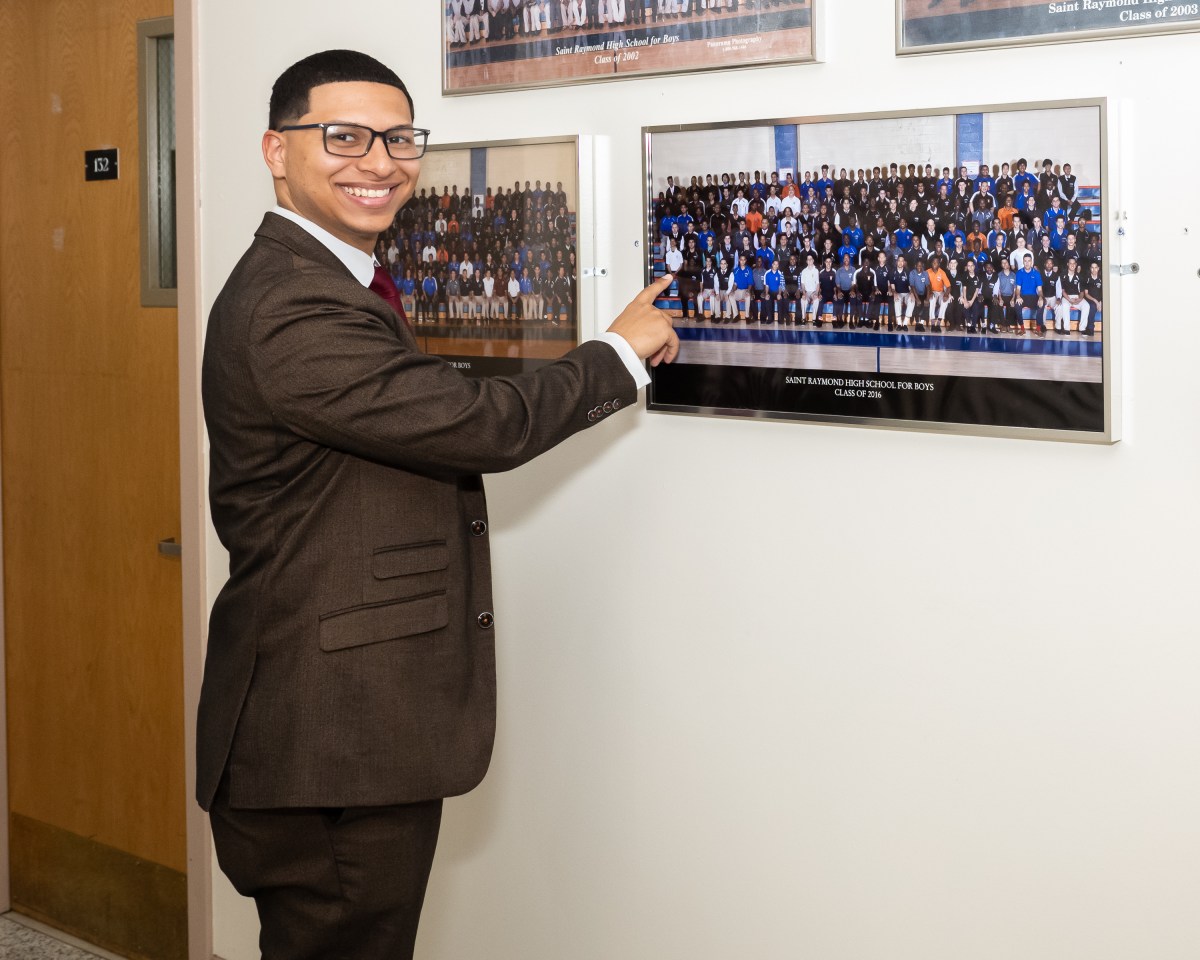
(353,140)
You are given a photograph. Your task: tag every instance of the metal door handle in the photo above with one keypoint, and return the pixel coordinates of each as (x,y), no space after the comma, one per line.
(170,547)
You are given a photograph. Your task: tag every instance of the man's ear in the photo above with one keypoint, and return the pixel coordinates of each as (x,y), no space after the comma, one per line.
(274,150)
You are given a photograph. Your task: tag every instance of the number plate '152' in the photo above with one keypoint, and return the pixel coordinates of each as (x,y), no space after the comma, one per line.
(100,164)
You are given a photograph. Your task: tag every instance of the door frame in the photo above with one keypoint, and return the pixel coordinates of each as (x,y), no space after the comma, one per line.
(193,517)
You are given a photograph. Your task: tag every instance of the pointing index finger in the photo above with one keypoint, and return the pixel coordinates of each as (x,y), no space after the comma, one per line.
(652,292)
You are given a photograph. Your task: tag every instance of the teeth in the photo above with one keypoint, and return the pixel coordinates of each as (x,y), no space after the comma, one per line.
(365,192)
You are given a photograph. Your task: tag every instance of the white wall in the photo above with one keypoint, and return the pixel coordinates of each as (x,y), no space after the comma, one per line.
(778,690)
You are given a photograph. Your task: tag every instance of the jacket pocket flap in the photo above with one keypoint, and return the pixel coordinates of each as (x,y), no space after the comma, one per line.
(405,561)
(387,621)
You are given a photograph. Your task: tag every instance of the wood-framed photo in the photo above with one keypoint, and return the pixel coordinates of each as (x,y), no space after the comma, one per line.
(490,45)
(944,270)
(927,26)
(486,254)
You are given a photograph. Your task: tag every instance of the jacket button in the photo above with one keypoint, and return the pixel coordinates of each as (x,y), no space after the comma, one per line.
(592,416)
(485,620)
(478,528)
(608,407)
(616,404)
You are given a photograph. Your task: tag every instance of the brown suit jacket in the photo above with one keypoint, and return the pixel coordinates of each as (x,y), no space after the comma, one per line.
(351,656)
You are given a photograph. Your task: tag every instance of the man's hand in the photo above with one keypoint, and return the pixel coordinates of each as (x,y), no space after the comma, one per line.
(646,328)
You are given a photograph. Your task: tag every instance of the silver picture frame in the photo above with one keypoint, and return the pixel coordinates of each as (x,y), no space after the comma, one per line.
(974,24)
(766,382)
(482,337)
(729,34)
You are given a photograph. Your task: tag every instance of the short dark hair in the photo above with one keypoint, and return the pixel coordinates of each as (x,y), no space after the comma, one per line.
(289,95)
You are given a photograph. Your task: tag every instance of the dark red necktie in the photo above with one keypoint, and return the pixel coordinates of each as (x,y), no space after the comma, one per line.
(382,284)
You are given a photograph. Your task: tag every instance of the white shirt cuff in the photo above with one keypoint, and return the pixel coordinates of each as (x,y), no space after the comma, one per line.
(633,363)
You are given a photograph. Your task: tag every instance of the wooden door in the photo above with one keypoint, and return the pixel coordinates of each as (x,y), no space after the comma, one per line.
(90,455)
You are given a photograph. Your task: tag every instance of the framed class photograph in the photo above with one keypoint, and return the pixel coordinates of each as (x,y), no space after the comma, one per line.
(926,26)
(486,253)
(943,270)
(506,44)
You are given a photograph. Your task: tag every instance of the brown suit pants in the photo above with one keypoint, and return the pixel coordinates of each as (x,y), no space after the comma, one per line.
(330,883)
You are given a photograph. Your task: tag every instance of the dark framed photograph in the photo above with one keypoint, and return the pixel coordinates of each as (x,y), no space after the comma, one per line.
(926,26)
(941,270)
(486,253)
(507,44)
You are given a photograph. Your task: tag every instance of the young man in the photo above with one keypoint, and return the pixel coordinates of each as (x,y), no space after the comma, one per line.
(1030,294)
(708,306)
(918,281)
(1071,296)
(530,310)
(829,292)
(969,298)
(774,305)
(847,301)
(1047,182)
(883,296)
(428,301)
(791,286)
(758,302)
(810,292)
(742,280)
(1068,190)
(726,303)
(828,280)
(1050,291)
(513,289)
(453,296)
(864,296)
(1093,290)
(1004,297)
(900,291)
(562,305)
(350,681)
(488,295)
(691,265)
(939,293)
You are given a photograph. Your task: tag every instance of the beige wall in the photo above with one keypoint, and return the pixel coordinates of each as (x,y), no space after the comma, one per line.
(777,690)
(445,168)
(551,163)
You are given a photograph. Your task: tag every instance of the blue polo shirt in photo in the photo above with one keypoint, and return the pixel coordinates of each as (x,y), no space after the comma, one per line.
(1028,281)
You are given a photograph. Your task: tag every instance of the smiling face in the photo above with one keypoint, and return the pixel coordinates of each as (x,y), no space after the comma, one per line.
(354,198)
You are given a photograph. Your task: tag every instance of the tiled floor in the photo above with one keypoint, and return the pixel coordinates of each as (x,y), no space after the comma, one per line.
(19,942)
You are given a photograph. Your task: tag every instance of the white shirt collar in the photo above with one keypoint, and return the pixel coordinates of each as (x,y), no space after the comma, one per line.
(361,265)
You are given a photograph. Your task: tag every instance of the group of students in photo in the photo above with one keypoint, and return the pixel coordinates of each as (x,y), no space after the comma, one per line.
(471,22)
(896,246)
(479,261)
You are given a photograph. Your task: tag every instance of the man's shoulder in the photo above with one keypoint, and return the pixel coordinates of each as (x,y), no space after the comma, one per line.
(284,261)
(282,249)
